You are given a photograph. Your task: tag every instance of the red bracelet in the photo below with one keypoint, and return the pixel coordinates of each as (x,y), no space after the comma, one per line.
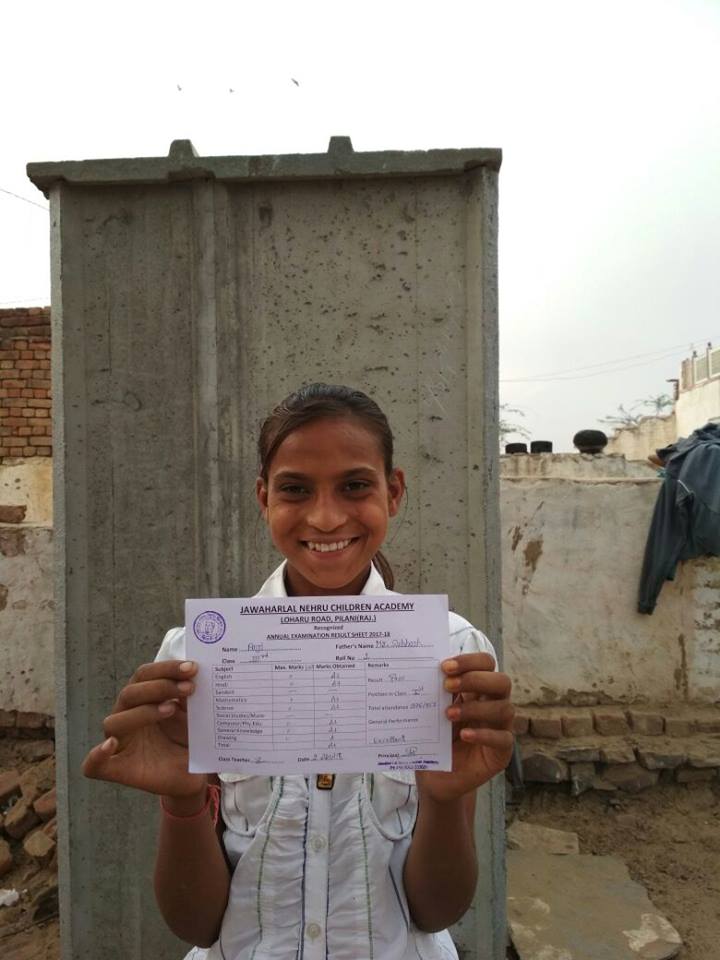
(212,801)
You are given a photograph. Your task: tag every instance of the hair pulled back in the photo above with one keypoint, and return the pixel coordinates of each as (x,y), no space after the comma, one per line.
(318,401)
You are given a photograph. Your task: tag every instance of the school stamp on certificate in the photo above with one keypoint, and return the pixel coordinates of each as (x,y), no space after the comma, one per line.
(302,685)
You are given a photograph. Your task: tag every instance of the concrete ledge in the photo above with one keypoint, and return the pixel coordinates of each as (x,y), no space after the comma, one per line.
(340,162)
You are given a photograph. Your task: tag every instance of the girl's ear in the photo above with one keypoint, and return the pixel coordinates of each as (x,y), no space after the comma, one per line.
(261,492)
(396,491)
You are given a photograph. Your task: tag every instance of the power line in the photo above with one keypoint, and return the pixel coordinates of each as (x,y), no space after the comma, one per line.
(24,199)
(574,373)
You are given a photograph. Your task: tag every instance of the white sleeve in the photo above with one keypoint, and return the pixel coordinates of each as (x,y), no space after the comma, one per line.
(173,645)
(465,638)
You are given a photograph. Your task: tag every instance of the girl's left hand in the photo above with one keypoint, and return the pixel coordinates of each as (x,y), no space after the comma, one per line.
(482,717)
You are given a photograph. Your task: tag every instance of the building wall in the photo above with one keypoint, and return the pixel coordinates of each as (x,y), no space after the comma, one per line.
(572,553)
(26,618)
(638,442)
(28,483)
(25,425)
(694,408)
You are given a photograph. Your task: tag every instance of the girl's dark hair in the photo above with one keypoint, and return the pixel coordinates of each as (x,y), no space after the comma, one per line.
(317,401)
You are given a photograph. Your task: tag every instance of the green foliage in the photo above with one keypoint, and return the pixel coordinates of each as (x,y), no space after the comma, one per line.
(507,427)
(652,406)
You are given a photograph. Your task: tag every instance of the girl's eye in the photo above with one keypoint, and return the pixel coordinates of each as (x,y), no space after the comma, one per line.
(293,489)
(357,486)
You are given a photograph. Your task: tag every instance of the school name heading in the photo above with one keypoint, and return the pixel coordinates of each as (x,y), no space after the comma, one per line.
(355,606)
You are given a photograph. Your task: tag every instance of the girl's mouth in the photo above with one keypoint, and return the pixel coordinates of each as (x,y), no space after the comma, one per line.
(335,546)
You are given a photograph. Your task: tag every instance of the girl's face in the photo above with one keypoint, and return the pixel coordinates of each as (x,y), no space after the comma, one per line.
(327,501)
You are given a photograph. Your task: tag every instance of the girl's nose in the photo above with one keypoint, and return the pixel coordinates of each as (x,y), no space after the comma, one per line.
(326,513)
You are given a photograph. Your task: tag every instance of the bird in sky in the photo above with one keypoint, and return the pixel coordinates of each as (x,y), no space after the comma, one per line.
(179,87)
(295,81)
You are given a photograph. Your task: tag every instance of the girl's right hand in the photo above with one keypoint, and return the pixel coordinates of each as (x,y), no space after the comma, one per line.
(146,743)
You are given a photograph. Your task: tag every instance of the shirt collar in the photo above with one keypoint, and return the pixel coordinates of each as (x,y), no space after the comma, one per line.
(274,586)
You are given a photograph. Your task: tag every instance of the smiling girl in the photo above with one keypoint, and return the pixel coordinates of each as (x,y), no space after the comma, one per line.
(352,867)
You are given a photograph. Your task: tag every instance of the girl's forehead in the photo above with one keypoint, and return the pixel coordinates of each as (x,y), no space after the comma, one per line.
(336,439)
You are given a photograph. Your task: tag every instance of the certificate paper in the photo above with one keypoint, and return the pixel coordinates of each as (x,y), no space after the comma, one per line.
(304,685)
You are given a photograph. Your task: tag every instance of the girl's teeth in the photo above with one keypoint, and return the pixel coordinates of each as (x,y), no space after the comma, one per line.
(328,547)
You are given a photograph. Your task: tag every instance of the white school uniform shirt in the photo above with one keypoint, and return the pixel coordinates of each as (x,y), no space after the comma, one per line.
(318,874)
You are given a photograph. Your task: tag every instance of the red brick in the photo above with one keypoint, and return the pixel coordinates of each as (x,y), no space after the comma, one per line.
(40,394)
(20,344)
(15,412)
(643,722)
(25,431)
(13,391)
(678,727)
(38,430)
(15,421)
(43,364)
(39,384)
(29,451)
(546,726)
(44,451)
(42,414)
(26,392)
(11,378)
(611,722)
(12,513)
(26,364)
(20,819)
(9,785)
(41,404)
(3,393)
(39,354)
(9,354)
(46,805)
(30,720)
(578,724)
(40,441)
(521,723)
(16,451)
(7,365)
(4,451)
(8,719)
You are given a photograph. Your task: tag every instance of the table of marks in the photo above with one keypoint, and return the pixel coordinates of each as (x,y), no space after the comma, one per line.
(313,684)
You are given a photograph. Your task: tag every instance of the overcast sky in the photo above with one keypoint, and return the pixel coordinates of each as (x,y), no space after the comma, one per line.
(607,114)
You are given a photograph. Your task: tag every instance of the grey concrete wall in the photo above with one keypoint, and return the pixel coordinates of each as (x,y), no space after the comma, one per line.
(26,618)
(572,553)
(189,295)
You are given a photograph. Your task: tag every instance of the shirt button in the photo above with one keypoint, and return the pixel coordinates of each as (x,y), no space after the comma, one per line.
(318,843)
(313,930)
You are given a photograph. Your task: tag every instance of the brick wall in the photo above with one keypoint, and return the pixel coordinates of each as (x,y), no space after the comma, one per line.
(25,404)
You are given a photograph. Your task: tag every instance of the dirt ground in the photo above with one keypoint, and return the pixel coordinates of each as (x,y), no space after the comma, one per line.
(669,837)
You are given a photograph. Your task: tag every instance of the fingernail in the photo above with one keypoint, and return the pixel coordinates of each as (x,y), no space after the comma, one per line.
(185,686)
(166,708)
(108,744)
(187,666)
(451,666)
(453,713)
(466,734)
(453,683)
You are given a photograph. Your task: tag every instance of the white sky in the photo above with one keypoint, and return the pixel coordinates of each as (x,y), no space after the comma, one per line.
(607,114)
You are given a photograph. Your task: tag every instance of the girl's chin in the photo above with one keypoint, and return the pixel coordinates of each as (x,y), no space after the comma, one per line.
(311,578)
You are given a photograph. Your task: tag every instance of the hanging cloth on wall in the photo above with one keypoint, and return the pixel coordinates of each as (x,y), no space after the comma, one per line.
(686,519)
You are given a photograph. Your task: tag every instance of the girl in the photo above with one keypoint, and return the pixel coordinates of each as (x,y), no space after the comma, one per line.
(353,867)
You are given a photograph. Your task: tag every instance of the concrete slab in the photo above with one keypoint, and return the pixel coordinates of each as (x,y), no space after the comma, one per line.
(533,836)
(583,908)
